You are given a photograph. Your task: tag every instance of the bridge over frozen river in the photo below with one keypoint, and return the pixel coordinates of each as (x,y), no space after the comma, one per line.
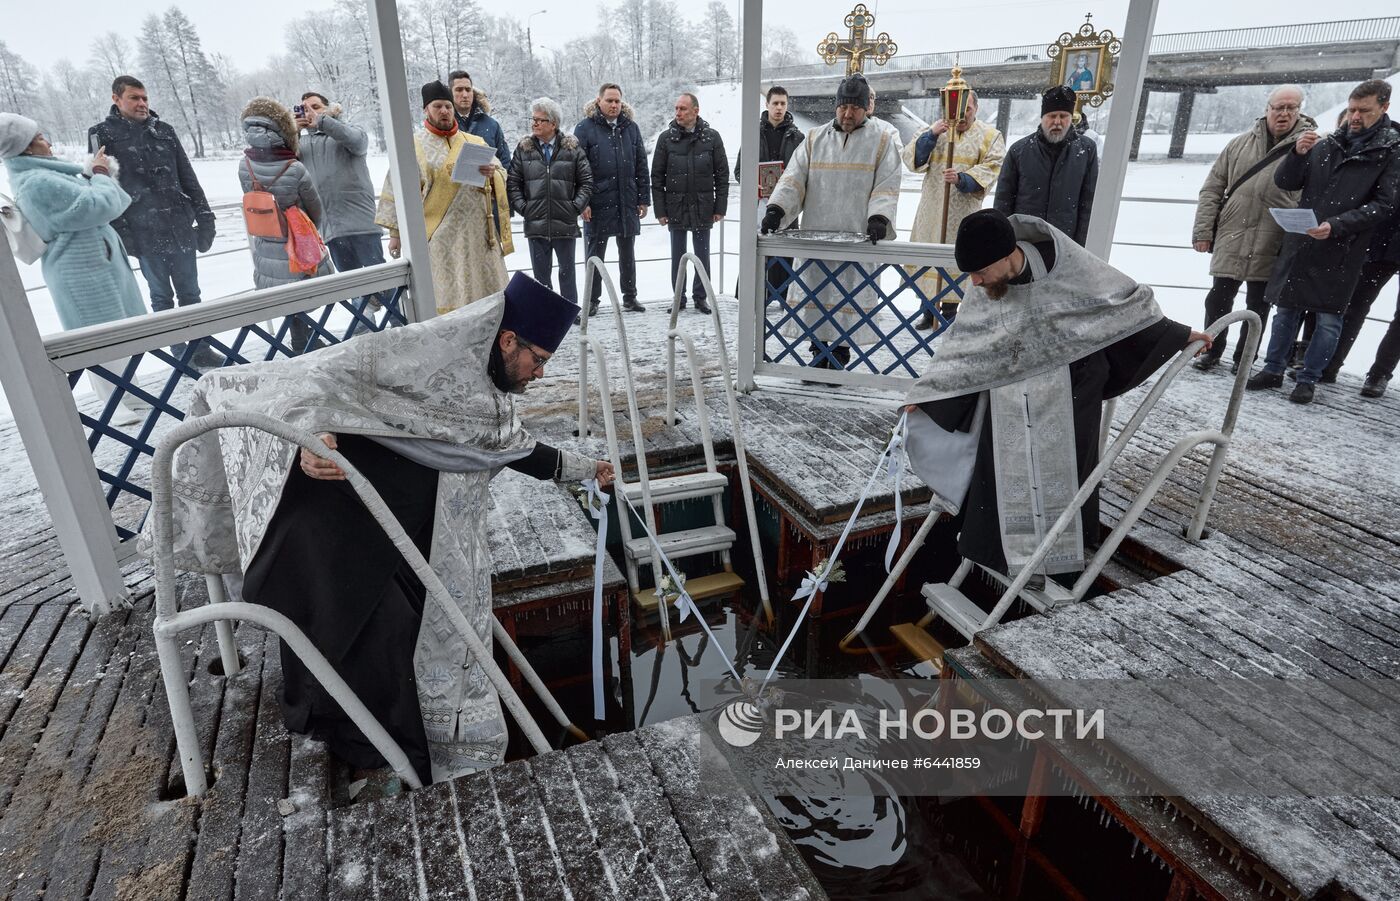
(1186,63)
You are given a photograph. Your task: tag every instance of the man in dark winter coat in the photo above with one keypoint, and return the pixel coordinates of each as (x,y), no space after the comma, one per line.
(690,187)
(613,144)
(549,185)
(778,139)
(1052,174)
(778,135)
(1350,180)
(474,115)
(169,219)
(1382,263)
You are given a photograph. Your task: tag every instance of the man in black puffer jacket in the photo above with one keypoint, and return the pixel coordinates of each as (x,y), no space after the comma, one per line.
(1052,174)
(690,187)
(1382,263)
(169,218)
(549,185)
(613,144)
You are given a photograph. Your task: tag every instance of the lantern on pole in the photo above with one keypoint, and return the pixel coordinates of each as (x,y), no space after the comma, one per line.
(956,96)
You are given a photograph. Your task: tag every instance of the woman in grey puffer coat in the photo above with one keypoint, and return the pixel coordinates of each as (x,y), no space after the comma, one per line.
(271,157)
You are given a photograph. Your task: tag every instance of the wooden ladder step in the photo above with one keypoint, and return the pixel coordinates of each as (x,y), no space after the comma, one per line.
(669,489)
(1053,595)
(685,543)
(919,643)
(699,589)
(955,608)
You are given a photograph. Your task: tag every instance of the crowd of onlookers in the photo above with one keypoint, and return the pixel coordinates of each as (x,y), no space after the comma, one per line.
(321,212)
(1322,281)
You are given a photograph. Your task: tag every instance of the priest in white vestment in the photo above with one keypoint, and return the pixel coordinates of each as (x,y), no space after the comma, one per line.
(844,177)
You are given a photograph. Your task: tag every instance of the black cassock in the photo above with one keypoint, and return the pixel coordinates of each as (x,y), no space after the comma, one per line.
(1104,374)
(327,565)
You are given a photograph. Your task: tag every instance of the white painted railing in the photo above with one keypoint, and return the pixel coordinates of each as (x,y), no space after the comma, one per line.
(170,621)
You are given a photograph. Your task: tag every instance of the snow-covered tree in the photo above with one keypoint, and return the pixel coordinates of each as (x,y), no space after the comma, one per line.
(177,72)
(111,55)
(72,100)
(721,40)
(18,80)
(781,47)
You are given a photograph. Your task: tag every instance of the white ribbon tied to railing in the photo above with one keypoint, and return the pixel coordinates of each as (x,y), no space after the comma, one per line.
(815,581)
(596,502)
(684,604)
(895,461)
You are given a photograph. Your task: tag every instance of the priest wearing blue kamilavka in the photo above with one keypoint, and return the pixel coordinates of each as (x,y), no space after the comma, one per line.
(427,414)
(1004,423)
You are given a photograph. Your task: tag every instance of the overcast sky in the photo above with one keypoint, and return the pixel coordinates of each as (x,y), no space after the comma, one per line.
(247,31)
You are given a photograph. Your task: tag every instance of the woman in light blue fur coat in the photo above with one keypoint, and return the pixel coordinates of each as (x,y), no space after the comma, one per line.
(70,206)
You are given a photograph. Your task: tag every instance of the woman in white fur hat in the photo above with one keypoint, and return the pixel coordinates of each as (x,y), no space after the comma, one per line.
(70,206)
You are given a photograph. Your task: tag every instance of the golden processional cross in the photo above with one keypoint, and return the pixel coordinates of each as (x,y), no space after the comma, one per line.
(856,48)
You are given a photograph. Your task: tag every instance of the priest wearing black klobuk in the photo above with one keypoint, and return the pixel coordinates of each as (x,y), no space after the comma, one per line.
(1004,423)
(427,414)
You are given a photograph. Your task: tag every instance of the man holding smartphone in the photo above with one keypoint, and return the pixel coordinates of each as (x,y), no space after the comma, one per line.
(333,152)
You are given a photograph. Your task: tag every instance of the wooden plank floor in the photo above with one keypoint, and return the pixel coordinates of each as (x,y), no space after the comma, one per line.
(90,790)
(1300,576)
(86,766)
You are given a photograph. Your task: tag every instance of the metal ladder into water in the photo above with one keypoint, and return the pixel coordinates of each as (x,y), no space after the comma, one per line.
(648,492)
(946,600)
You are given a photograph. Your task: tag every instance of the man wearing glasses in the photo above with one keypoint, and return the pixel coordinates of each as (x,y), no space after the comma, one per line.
(1233,224)
(427,414)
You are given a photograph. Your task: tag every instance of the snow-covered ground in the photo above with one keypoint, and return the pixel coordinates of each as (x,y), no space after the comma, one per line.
(1152,240)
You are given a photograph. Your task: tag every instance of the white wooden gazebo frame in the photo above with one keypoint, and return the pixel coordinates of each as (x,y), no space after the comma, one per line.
(34,369)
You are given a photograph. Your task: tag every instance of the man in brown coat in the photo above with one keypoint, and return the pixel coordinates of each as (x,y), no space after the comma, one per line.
(1233,223)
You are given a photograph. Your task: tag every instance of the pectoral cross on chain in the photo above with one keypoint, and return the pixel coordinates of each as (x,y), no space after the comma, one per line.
(1016,348)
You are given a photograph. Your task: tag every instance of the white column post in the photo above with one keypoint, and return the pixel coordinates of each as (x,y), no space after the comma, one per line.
(53,437)
(750,301)
(399,119)
(1127,94)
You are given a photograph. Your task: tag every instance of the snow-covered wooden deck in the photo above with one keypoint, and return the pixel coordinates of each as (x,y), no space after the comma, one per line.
(1300,576)
(85,771)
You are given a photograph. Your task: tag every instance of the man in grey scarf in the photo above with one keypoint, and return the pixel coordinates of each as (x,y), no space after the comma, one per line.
(1004,423)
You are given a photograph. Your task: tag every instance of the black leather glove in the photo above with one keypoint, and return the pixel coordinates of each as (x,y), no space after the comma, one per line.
(875,228)
(204,237)
(772,218)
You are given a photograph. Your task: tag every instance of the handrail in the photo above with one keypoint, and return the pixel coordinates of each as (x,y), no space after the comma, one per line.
(96,344)
(596,265)
(741,454)
(170,620)
(1254,326)
(1183,446)
(1221,439)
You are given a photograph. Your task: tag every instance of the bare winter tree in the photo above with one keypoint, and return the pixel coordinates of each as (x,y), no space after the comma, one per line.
(355,13)
(781,47)
(111,55)
(720,39)
(17,83)
(166,76)
(70,95)
(196,80)
(631,18)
